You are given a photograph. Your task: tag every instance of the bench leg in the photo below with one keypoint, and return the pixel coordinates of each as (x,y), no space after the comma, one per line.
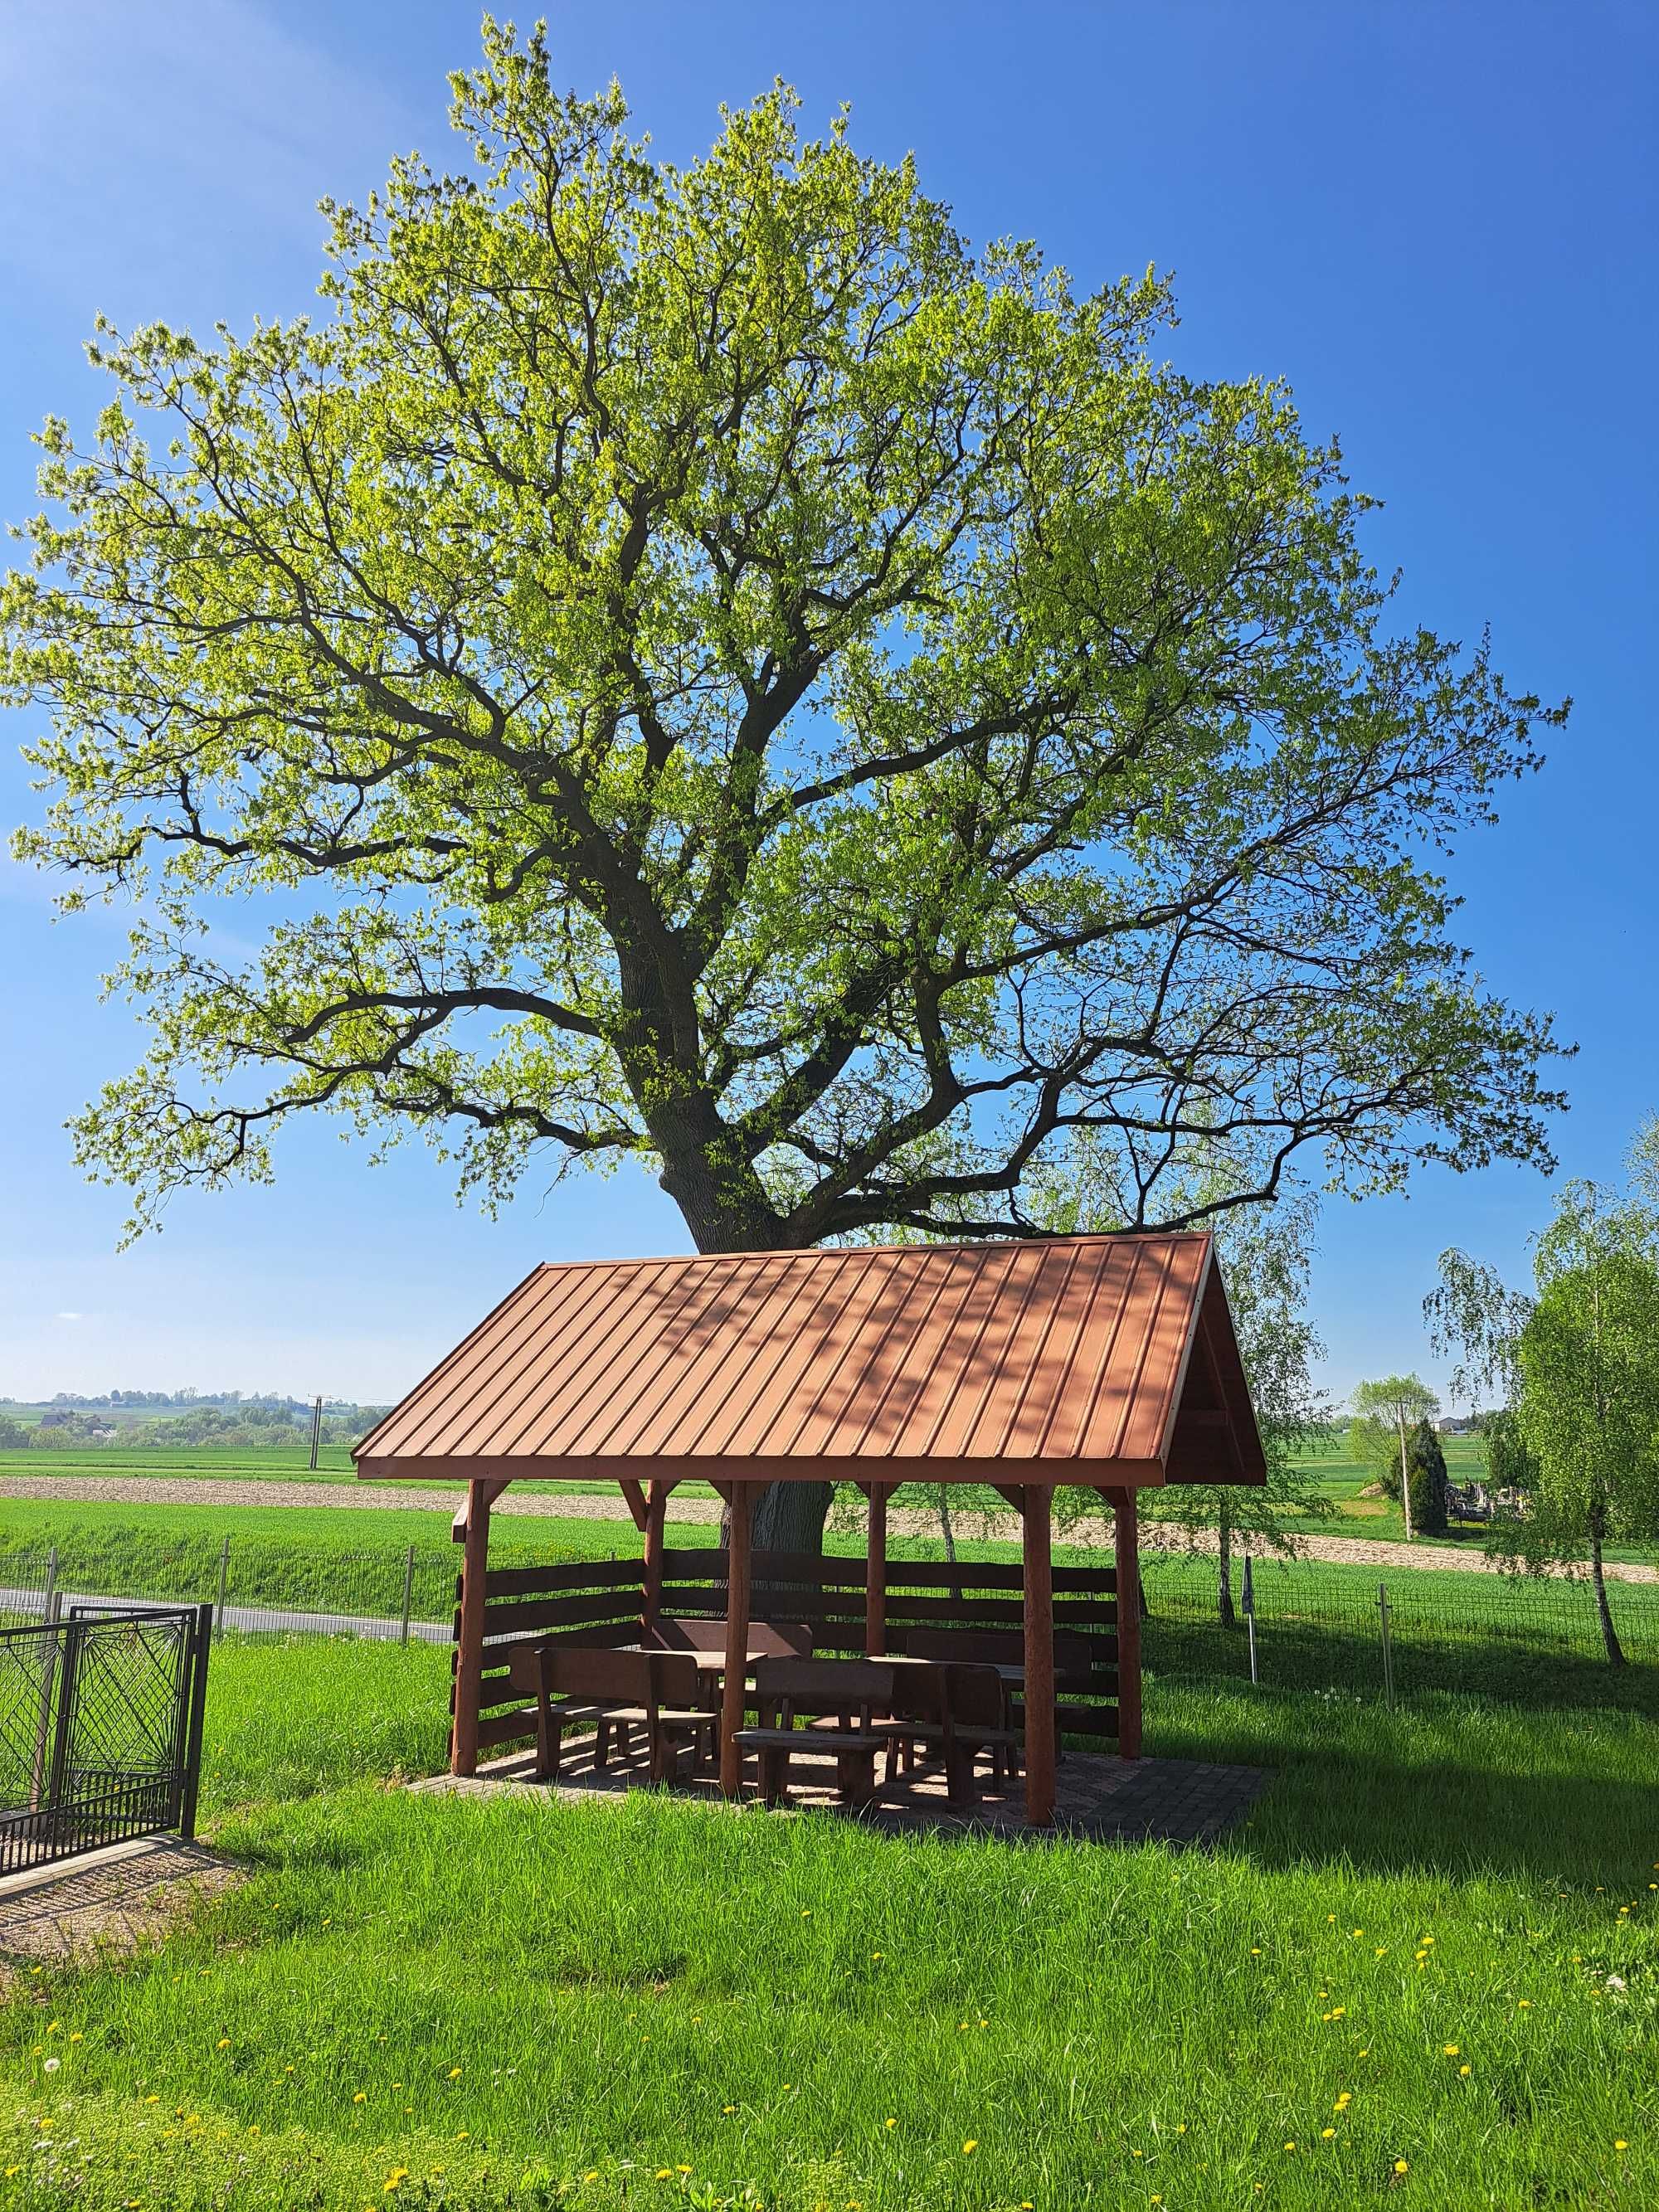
(959,1785)
(774,1774)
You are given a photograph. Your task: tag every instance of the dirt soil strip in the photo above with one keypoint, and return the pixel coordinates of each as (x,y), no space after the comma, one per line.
(388,1497)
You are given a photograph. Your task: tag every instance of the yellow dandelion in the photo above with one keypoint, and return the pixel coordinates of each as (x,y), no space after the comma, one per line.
(970,2146)
(1325,2134)
(1449,2050)
(395,2179)
(728,2108)
(454,2073)
(681,2169)
(1618,2143)
(665,2174)
(361,2097)
(893,2122)
(1401,2166)
(1290,2146)
(593,2174)
(1463,2073)
(223,2044)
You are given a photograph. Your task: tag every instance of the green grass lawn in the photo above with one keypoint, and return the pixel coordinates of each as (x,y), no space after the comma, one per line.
(1400,1985)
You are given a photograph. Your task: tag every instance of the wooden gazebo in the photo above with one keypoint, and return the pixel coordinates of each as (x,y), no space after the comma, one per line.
(1105,1361)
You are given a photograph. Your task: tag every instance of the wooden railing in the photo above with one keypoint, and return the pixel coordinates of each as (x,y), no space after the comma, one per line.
(598,1601)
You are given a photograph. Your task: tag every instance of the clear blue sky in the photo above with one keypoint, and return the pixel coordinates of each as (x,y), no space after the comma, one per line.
(1436,220)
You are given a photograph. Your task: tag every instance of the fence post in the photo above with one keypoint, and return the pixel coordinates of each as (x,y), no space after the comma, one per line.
(48,1677)
(58,1777)
(1388,1648)
(1249,1619)
(409,1592)
(201,1643)
(224,1577)
(48,1596)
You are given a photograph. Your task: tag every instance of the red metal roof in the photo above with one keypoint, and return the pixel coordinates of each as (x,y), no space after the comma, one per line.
(1069,1360)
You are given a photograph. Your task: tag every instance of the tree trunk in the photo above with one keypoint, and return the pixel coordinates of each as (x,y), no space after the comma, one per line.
(1405,1482)
(1224,1576)
(789,1516)
(1609,1634)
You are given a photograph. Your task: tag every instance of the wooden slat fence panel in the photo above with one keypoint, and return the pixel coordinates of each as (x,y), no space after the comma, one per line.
(598,1601)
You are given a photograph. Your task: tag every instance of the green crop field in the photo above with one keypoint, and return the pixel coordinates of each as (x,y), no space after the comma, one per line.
(1426,1974)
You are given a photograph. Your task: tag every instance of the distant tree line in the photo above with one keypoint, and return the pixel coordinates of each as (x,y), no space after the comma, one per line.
(76,1424)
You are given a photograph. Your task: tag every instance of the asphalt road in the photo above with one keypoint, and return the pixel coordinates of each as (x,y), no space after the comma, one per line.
(253,1619)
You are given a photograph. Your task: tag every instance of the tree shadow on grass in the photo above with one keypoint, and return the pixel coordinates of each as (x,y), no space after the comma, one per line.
(1446,1783)
(1314,1654)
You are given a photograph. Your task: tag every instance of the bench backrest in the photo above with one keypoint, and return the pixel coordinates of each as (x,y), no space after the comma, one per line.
(976,1647)
(631,1678)
(773,1639)
(974,1695)
(812,1686)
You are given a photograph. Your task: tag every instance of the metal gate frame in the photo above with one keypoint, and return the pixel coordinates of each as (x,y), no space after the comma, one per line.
(101,1729)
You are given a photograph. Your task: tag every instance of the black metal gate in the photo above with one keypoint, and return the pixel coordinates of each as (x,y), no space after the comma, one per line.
(100,1728)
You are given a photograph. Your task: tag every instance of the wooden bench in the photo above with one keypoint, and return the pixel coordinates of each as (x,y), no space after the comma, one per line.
(613,1691)
(957,1711)
(848,1693)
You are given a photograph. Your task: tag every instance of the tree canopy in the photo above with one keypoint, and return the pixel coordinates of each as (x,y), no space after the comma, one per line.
(1384,1412)
(1579,1363)
(698,666)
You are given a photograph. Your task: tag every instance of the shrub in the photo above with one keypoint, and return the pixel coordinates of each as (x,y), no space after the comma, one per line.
(1426,1466)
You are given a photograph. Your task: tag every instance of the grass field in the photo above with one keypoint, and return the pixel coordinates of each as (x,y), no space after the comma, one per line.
(1426,1974)
(1342,1479)
(1318,1624)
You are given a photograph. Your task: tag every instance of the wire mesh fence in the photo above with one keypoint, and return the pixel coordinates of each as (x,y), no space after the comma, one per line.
(1298,1626)
(406,1593)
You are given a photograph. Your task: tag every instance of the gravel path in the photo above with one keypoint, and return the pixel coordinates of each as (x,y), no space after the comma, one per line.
(398,1498)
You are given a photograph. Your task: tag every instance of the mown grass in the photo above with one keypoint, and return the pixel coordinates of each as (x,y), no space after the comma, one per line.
(473,2003)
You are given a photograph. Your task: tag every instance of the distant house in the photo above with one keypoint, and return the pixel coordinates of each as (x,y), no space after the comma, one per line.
(1457,1425)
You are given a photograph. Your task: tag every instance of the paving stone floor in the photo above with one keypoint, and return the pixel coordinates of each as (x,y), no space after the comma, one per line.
(1099,1800)
(114,1897)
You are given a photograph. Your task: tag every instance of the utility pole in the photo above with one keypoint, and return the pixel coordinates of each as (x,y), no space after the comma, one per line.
(316,1428)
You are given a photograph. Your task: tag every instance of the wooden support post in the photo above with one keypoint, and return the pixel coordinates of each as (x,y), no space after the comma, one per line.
(656,1509)
(733,1693)
(1126,1529)
(875,1572)
(1039,1580)
(470,1629)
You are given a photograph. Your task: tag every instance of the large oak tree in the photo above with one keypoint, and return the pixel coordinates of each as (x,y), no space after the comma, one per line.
(701,667)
